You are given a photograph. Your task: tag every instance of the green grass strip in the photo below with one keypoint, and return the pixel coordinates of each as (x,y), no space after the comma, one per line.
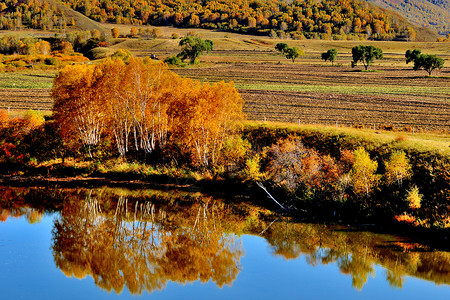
(26,80)
(443,92)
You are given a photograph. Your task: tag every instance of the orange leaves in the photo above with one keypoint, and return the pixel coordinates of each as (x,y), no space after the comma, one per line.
(140,102)
(3,118)
(204,116)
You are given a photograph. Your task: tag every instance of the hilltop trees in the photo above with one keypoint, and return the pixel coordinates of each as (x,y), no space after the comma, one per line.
(423,61)
(366,55)
(311,19)
(330,55)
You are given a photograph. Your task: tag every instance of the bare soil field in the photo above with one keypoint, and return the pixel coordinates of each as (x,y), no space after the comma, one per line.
(25,99)
(326,95)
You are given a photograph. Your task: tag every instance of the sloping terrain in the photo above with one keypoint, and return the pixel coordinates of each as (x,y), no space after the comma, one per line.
(434,14)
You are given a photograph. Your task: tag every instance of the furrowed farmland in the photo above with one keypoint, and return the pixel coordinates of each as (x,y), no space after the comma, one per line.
(308,91)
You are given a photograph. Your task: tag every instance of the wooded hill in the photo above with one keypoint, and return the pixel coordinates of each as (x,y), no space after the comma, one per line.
(326,19)
(434,14)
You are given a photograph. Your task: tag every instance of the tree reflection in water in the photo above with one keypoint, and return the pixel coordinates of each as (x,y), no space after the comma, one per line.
(140,247)
(356,253)
(142,239)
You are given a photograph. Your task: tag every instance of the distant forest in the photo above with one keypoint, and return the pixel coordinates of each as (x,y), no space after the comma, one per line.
(326,19)
(434,14)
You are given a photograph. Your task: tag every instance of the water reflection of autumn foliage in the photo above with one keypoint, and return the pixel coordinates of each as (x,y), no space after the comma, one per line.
(142,247)
(140,240)
(357,253)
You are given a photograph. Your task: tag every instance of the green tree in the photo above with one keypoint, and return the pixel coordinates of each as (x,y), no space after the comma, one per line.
(330,55)
(210,45)
(193,47)
(366,55)
(424,61)
(282,47)
(412,55)
(293,53)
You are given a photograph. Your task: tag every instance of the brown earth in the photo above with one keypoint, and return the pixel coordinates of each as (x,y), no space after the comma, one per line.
(24,99)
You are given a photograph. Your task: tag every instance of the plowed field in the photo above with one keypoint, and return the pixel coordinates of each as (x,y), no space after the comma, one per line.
(326,95)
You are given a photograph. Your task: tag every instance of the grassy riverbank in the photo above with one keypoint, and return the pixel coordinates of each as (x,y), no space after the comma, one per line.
(314,196)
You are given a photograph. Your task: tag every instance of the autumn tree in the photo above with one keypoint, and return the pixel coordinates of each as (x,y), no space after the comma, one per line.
(133,31)
(398,168)
(203,117)
(115,32)
(77,108)
(363,173)
(330,55)
(365,55)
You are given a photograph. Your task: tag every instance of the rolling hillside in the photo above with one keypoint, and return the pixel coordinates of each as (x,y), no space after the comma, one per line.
(326,19)
(434,14)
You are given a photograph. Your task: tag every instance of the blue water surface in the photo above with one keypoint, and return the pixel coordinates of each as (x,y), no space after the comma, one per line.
(28,271)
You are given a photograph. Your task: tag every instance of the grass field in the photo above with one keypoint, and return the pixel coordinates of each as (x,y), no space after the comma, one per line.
(310,91)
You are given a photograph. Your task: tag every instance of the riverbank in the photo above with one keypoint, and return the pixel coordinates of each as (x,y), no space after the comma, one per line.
(312,170)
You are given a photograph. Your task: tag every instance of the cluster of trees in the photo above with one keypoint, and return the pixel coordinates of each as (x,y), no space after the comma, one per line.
(297,19)
(16,15)
(424,61)
(36,53)
(290,53)
(366,55)
(143,107)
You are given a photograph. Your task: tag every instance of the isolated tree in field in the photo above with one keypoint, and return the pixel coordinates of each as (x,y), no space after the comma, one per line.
(363,171)
(193,47)
(281,47)
(424,61)
(412,55)
(115,32)
(398,168)
(366,55)
(330,55)
(293,53)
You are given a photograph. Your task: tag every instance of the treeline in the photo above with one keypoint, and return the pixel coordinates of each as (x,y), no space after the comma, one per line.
(24,52)
(298,19)
(326,19)
(75,46)
(16,15)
